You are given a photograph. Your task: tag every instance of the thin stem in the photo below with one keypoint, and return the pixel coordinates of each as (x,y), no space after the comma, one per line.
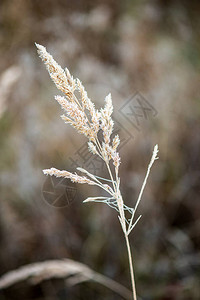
(104,188)
(111,176)
(103,178)
(107,163)
(153,158)
(131,267)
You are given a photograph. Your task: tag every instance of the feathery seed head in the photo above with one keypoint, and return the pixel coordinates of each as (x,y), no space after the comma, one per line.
(70,79)
(106,120)
(66,174)
(116,160)
(74,108)
(92,148)
(115,142)
(108,105)
(56,73)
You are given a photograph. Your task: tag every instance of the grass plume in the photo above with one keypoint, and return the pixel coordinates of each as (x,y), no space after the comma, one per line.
(80,113)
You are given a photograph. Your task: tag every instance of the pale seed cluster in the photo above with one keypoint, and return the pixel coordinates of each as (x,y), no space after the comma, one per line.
(81,114)
(65,174)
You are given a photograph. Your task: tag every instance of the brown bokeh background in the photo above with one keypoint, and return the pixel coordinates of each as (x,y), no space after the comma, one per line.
(122,47)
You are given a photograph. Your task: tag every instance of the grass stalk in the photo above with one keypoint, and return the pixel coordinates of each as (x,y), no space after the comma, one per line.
(87,120)
(131,267)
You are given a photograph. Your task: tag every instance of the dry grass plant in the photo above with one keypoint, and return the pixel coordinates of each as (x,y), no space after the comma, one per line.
(73,272)
(80,113)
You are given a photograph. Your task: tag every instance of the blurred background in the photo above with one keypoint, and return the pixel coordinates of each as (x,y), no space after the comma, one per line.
(146,53)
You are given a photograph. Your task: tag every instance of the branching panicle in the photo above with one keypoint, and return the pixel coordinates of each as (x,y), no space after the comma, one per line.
(81,114)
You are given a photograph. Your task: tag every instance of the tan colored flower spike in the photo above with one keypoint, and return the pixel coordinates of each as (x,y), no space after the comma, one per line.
(81,114)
